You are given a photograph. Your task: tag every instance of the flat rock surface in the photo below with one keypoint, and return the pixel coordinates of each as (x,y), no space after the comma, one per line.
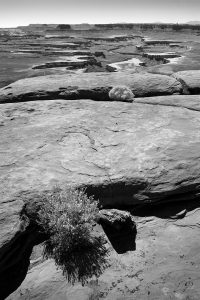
(52,87)
(124,153)
(165,265)
(191,79)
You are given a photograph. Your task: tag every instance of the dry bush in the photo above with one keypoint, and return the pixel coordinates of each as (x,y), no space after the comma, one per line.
(67,217)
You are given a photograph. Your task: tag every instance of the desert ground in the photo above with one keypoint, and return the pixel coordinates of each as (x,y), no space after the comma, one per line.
(60,126)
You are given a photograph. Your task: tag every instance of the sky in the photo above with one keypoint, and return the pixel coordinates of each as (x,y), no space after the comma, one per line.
(23,12)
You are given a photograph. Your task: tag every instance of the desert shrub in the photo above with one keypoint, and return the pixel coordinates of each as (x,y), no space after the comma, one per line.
(67,217)
(121,93)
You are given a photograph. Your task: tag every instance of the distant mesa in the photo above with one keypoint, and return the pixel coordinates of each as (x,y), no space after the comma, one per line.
(193,23)
(63,27)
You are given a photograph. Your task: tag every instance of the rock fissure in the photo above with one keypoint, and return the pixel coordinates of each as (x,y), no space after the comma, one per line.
(168,105)
(8,165)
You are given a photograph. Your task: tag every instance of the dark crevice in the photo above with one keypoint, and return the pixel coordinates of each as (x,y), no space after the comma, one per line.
(165,210)
(117,191)
(96,94)
(15,259)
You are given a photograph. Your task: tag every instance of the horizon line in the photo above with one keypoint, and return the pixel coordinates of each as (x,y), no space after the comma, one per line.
(86,23)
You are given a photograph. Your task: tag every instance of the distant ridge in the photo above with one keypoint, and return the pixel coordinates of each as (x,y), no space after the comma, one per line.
(193,23)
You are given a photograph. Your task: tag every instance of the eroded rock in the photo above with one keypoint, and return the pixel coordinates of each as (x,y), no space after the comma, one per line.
(89,86)
(161,56)
(190,80)
(78,63)
(160,42)
(125,154)
(165,265)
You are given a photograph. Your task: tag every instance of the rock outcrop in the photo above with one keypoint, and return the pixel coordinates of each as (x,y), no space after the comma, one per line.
(161,56)
(117,38)
(88,86)
(165,265)
(82,62)
(190,80)
(140,159)
(128,155)
(160,42)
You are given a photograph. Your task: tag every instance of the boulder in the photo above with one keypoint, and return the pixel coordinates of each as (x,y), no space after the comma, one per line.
(121,93)
(88,86)
(120,229)
(190,80)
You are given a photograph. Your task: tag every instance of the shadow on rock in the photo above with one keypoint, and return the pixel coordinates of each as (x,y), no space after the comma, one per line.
(15,259)
(170,210)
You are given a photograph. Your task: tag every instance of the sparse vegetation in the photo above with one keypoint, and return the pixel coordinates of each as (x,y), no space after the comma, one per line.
(68,217)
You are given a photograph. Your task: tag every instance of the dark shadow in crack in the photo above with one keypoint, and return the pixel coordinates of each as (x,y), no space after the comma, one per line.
(122,240)
(169,210)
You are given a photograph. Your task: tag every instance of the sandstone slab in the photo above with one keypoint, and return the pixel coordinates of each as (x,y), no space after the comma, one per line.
(88,86)
(190,79)
(126,154)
